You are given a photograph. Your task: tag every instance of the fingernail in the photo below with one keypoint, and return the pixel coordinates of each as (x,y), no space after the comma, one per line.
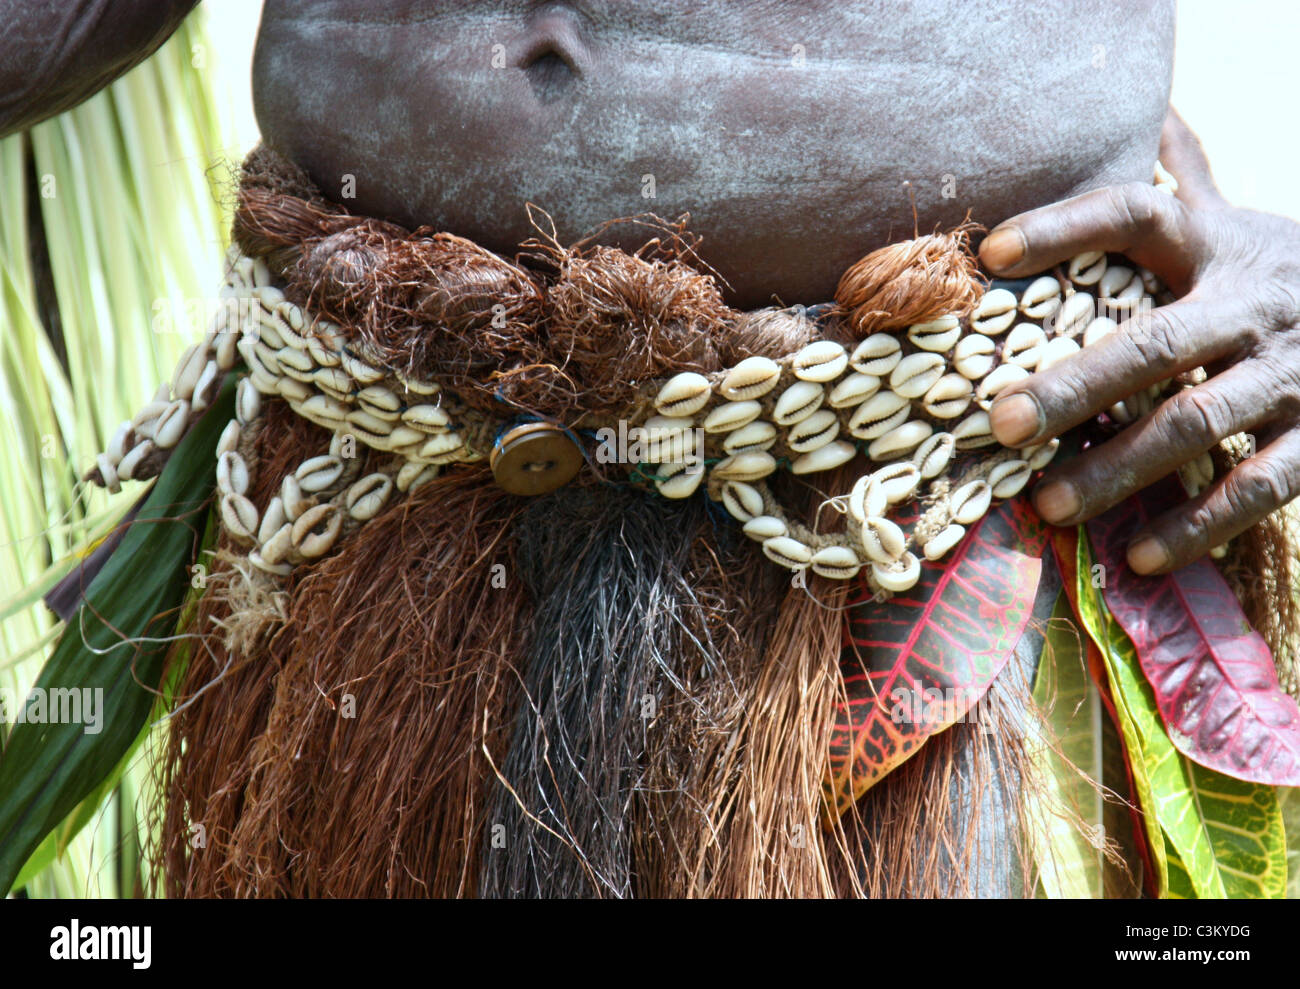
(1057,501)
(1148,554)
(1003,248)
(1016,419)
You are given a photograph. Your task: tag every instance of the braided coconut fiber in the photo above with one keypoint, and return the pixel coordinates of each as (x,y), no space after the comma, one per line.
(594,693)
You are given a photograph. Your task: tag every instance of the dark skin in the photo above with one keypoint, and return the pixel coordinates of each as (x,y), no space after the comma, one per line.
(788,132)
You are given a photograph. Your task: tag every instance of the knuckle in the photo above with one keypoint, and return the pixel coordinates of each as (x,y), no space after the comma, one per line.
(1195,418)
(1140,207)
(1259,485)
(1157,339)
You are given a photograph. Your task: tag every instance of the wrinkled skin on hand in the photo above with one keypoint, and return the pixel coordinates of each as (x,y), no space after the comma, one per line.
(1236,274)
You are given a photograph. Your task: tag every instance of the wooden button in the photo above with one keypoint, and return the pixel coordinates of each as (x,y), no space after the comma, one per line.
(535,459)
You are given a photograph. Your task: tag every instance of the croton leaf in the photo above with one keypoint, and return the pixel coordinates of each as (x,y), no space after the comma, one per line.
(1213,676)
(917,663)
(116,644)
(1211,835)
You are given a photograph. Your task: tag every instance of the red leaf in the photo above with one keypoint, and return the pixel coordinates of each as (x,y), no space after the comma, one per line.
(952,633)
(1213,676)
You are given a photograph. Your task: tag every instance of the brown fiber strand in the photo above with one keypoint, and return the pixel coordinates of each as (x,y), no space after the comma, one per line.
(913,281)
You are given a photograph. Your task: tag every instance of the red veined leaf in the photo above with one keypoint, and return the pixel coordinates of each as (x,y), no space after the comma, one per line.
(915,664)
(1213,676)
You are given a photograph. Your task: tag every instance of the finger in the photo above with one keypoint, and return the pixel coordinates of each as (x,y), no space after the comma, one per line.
(1253,489)
(1150,347)
(1180,429)
(1182,154)
(1136,219)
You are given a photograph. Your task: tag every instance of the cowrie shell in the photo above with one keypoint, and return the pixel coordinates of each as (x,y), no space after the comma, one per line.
(318,473)
(248,401)
(828,457)
(1007,479)
(916,374)
(969,502)
(948,397)
(1024,345)
(898,576)
(866,500)
(1115,280)
(131,461)
(665,439)
(1041,298)
(291,497)
(679,480)
(684,395)
(417,387)
(995,312)
(878,415)
(353,367)
(938,335)
(763,527)
(370,423)
(379,401)
(940,544)
(1056,351)
(798,402)
(413,474)
(751,378)
(278,569)
(997,380)
(205,389)
(1098,329)
(229,438)
(1087,268)
(1075,313)
(836,562)
(741,500)
(404,436)
(756,436)
(882,540)
(334,380)
(973,431)
(427,418)
(973,356)
(232,474)
(789,553)
(751,466)
(294,390)
(824,360)
(853,390)
(731,415)
(322,408)
(316,530)
(367,496)
(272,520)
(171,425)
(814,432)
(321,354)
(276,547)
(108,473)
(268,295)
(239,515)
(188,369)
(1041,455)
(292,359)
(900,441)
(116,448)
(932,457)
(441,445)
(897,482)
(877,355)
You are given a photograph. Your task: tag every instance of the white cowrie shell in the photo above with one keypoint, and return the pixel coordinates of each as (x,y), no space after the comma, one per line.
(764,527)
(756,436)
(278,569)
(940,544)
(367,496)
(171,425)
(145,422)
(205,389)
(751,378)
(969,502)
(741,500)
(1075,313)
(1121,413)
(409,474)
(321,354)
(292,359)
(239,516)
(679,480)
(428,418)
(1024,345)
(1128,298)
(354,367)
(131,461)
(295,391)
(404,436)
(916,374)
(1219,552)
(973,356)
(417,387)
(448,443)
(117,444)
(1007,479)
(900,441)
(1087,268)
(878,415)
(731,415)
(661,429)
(1056,351)
(867,500)
(877,355)
(317,530)
(334,380)
(752,466)
(188,369)
(1098,329)
(248,402)
(232,474)
(261,273)
(798,402)
(665,439)
(973,431)
(264,383)
(938,335)
(1115,279)
(931,457)
(291,497)
(814,432)
(998,379)
(379,401)
(948,397)
(273,519)
(995,312)
(853,390)
(897,482)
(108,473)
(828,457)
(1041,455)
(1041,298)
(318,473)
(369,423)
(882,540)
(275,548)
(836,562)
(323,409)
(269,359)
(789,553)
(823,360)
(684,395)
(899,576)
(226,352)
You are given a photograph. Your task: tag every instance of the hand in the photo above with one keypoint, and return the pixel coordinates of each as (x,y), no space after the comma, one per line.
(1236,276)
